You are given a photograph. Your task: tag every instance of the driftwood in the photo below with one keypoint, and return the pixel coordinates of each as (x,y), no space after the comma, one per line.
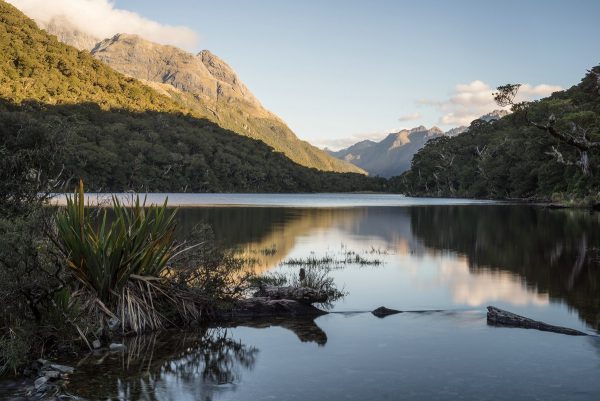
(272,301)
(382,312)
(301,294)
(499,317)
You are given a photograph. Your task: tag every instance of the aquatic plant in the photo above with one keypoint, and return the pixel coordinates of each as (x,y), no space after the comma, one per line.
(346,258)
(316,277)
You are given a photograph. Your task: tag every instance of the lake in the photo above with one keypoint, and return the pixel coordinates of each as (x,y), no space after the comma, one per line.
(444,261)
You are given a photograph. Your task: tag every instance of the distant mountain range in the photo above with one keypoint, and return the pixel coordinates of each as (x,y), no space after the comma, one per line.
(393,155)
(203,83)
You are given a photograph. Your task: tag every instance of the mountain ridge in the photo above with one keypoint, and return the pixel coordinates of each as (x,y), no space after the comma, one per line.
(205,84)
(393,155)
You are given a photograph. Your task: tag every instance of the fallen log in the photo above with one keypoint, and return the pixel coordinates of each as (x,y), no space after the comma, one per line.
(266,307)
(499,317)
(300,294)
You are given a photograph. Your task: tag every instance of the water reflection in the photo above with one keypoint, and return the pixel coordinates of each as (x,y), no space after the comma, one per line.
(518,255)
(486,286)
(176,366)
(306,330)
(181,365)
(552,251)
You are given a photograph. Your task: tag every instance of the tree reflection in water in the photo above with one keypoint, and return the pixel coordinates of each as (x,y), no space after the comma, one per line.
(553,251)
(176,365)
(179,365)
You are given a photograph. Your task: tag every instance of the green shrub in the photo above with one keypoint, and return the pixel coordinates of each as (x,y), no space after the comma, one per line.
(138,242)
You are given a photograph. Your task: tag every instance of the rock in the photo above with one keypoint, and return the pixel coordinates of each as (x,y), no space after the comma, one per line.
(382,312)
(40,382)
(265,307)
(113,324)
(499,317)
(301,294)
(52,374)
(96,344)
(116,347)
(62,368)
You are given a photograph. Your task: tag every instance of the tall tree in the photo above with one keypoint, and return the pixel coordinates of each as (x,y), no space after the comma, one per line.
(579,134)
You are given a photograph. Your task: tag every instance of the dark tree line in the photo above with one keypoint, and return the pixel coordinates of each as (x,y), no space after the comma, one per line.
(547,149)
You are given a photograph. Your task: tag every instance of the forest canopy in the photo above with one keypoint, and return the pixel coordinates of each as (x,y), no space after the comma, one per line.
(517,156)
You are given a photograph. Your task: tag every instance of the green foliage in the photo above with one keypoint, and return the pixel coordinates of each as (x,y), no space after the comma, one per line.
(120,150)
(138,242)
(14,348)
(36,65)
(510,158)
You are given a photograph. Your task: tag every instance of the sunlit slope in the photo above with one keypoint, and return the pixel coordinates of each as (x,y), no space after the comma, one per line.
(203,83)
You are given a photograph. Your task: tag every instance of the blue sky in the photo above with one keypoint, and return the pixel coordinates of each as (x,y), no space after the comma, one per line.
(337,70)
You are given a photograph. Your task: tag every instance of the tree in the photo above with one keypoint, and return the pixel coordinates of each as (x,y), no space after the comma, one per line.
(578,136)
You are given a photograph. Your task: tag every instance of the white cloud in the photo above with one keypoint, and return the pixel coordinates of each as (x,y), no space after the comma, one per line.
(101,19)
(470,101)
(410,117)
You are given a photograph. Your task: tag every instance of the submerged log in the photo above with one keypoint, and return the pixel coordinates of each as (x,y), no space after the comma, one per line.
(382,312)
(303,295)
(499,317)
(266,307)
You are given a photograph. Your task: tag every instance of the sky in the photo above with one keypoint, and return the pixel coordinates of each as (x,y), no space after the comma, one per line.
(339,71)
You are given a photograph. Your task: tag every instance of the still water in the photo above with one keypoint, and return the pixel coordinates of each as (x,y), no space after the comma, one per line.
(449,258)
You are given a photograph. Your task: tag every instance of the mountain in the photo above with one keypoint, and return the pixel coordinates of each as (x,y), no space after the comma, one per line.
(119,134)
(391,156)
(203,83)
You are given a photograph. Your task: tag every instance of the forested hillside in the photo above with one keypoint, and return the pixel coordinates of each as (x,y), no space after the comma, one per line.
(119,134)
(211,89)
(548,149)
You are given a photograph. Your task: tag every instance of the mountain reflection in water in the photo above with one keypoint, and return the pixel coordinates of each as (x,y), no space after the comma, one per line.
(513,254)
(533,261)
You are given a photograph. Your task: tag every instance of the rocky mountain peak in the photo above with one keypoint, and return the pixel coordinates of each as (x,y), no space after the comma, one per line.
(420,128)
(494,115)
(221,71)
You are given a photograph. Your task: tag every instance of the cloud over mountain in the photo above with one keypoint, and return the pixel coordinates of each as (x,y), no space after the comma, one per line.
(101,19)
